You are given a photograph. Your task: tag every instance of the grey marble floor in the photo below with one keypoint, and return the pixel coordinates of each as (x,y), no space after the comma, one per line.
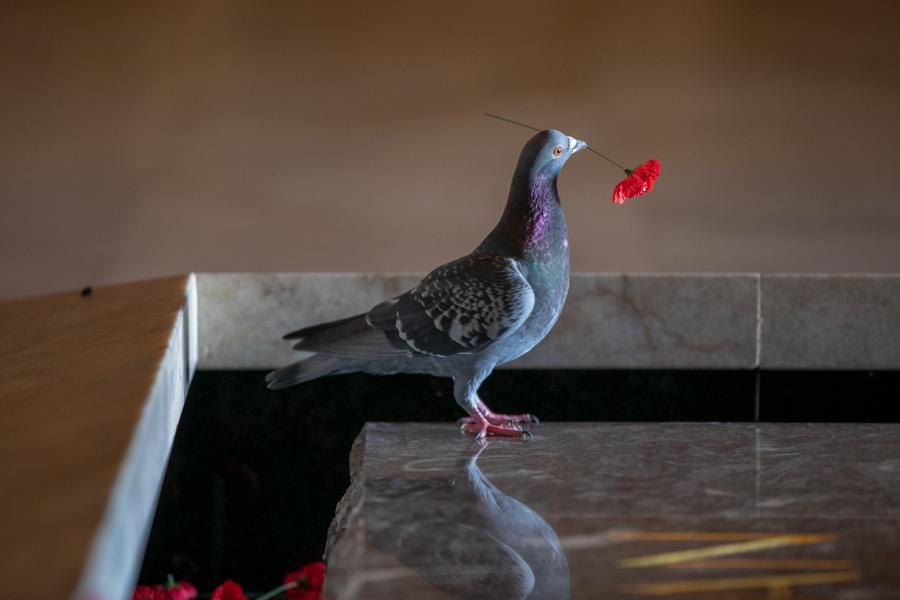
(767,511)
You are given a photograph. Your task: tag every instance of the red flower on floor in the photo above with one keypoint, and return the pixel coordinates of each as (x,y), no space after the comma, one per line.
(639,181)
(309,580)
(182,591)
(148,592)
(179,591)
(229,591)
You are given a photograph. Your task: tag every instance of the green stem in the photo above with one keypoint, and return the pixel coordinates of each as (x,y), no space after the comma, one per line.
(281,588)
(627,171)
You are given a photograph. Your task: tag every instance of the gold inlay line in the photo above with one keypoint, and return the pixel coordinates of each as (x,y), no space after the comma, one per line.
(688,536)
(723,550)
(738,583)
(800,564)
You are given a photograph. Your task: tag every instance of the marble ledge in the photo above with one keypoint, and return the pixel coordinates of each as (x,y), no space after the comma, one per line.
(621,511)
(830,322)
(611,320)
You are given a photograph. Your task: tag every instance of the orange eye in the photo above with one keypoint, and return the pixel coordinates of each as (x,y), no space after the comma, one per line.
(557,151)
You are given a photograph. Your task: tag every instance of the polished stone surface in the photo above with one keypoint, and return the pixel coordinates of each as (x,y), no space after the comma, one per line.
(830,321)
(621,511)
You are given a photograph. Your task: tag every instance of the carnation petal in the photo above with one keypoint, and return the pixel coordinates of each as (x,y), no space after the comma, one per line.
(229,590)
(639,182)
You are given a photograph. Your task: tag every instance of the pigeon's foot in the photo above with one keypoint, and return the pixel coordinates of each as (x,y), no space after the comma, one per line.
(481,428)
(502,419)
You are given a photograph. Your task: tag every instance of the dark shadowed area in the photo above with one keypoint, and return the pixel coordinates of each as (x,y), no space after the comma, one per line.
(142,139)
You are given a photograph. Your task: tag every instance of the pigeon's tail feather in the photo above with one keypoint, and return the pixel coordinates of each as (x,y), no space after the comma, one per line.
(323,327)
(311,368)
(351,338)
(320,337)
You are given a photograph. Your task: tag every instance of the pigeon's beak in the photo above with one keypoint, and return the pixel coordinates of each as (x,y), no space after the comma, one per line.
(579,145)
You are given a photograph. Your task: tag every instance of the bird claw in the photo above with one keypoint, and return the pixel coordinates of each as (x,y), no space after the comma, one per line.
(483,422)
(501,419)
(482,429)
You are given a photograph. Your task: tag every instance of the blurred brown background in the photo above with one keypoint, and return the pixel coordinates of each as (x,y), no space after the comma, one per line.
(142,139)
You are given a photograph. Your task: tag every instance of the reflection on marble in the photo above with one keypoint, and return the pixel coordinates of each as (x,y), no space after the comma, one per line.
(466,537)
(636,510)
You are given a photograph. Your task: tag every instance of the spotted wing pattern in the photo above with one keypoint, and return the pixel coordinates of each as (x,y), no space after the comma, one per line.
(461,307)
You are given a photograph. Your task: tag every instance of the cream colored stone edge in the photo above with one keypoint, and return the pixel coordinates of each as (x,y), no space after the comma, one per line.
(115,557)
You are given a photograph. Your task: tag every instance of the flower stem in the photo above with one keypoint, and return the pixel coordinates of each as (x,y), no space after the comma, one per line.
(531,127)
(520,124)
(281,588)
(605,157)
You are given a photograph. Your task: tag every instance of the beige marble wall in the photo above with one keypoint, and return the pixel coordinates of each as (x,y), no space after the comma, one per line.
(611,320)
(142,139)
(819,322)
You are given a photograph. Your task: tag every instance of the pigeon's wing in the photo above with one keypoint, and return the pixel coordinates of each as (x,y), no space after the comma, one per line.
(461,307)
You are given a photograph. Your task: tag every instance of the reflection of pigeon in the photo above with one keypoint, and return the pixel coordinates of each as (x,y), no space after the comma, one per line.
(466,537)
(471,314)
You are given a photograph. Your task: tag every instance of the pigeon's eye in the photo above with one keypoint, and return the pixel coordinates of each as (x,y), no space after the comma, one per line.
(557,151)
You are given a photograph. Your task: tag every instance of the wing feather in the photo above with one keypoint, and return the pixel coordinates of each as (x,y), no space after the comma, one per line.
(461,307)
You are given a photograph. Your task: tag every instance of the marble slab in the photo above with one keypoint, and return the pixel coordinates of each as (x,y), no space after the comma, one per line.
(610,320)
(621,511)
(830,321)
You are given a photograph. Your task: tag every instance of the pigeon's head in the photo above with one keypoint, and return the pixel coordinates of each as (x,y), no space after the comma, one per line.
(547,152)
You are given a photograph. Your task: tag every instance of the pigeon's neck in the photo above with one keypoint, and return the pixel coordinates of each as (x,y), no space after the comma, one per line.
(532,223)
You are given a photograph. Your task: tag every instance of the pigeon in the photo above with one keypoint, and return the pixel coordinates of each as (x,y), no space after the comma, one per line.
(472,314)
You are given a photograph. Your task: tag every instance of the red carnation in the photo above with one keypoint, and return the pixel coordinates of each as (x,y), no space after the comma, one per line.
(229,590)
(148,592)
(309,580)
(182,591)
(177,591)
(639,181)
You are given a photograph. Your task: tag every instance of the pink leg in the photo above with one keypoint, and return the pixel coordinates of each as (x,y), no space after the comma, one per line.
(483,421)
(479,425)
(498,418)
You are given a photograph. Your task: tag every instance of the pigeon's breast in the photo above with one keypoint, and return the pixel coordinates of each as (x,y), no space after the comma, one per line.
(549,278)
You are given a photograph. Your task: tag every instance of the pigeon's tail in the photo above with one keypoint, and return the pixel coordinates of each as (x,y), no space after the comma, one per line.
(342,346)
(352,338)
(317,365)
(325,331)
